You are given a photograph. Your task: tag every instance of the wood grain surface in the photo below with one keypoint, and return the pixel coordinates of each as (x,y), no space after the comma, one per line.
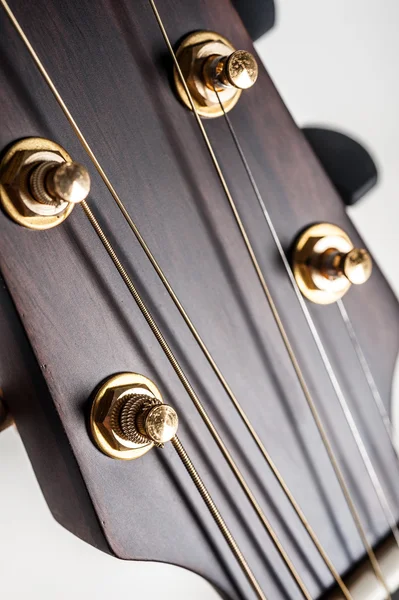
(110,64)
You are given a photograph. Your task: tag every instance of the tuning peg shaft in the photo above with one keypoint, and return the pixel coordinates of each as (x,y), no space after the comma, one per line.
(238,70)
(326,263)
(53,183)
(40,183)
(214,72)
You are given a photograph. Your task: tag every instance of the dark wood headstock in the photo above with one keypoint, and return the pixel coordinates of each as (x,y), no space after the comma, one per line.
(67,322)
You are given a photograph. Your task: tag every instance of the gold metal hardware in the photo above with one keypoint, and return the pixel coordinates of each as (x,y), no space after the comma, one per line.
(326,263)
(40,184)
(159,423)
(120,267)
(277,318)
(209,62)
(69,182)
(128,417)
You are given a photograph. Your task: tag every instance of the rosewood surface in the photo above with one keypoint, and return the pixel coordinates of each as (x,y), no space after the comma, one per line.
(109,62)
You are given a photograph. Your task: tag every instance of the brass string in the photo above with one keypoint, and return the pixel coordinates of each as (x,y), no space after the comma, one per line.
(207,498)
(179,305)
(273,307)
(373,560)
(193,396)
(368,375)
(383,500)
(145,247)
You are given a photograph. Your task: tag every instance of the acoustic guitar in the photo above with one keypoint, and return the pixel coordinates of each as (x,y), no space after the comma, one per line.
(195,345)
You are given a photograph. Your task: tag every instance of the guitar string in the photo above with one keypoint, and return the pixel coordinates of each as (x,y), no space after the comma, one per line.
(312,406)
(382,498)
(322,553)
(192,328)
(368,375)
(215,512)
(193,396)
(147,315)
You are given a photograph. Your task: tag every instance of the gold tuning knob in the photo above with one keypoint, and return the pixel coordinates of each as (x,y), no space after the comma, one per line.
(159,424)
(326,263)
(238,70)
(69,182)
(357,265)
(40,184)
(241,69)
(214,72)
(128,417)
(54,183)
(141,420)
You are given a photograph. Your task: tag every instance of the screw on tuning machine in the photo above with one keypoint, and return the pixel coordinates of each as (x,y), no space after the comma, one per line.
(209,62)
(128,417)
(40,184)
(326,263)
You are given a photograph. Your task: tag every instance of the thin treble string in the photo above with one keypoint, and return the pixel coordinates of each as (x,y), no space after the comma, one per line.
(147,315)
(273,308)
(77,131)
(319,344)
(199,340)
(368,375)
(385,505)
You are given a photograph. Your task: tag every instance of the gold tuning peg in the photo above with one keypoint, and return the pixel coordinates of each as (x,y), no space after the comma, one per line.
(238,70)
(144,420)
(53,183)
(40,183)
(355,265)
(214,72)
(128,417)
(326,263)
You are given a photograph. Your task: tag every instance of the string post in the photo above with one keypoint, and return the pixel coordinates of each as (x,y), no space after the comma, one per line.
(128,417)
(142,419)
(40,184)
(326,263)
(158,423)
(68,182)
(357,266)
(214,72)
(238,70)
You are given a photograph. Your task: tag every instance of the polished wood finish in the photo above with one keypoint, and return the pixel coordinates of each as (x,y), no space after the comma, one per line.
(54,464)
(110,63)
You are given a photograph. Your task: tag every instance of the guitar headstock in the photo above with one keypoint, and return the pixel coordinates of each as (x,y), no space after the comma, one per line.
(73,326)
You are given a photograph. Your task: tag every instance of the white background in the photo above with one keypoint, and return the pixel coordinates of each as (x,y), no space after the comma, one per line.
(335,63)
